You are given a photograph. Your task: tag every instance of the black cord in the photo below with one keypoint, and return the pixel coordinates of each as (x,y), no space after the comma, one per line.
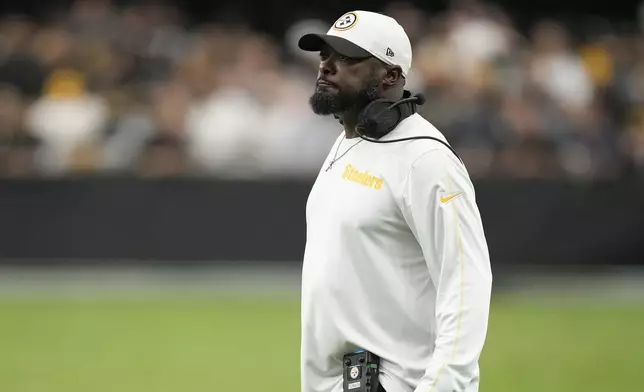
(419,99)
(410,138)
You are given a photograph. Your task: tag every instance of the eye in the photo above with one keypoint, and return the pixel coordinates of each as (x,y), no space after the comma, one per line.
(348,60)
(324,55)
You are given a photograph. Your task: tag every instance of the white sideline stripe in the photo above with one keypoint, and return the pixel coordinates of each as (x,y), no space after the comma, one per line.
(253,278)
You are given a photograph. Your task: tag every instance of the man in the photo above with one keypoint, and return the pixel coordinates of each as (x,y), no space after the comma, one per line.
(396,261)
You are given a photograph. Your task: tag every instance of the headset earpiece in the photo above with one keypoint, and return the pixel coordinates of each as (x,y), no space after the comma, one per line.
(381,116)
(376,119)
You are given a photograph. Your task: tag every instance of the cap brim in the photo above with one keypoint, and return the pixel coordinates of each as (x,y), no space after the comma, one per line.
(315,43)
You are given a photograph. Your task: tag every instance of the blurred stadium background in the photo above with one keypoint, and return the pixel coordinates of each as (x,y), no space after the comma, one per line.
(155,158)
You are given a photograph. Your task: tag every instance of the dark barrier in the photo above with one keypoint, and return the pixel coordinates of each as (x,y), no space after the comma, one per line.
(532,223)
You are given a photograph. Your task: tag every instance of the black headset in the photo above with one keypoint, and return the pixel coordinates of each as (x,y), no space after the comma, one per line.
(381,116)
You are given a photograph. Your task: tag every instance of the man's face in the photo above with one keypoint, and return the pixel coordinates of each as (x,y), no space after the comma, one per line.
(344,84)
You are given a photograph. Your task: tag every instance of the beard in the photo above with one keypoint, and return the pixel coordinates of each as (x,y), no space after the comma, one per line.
(339,101)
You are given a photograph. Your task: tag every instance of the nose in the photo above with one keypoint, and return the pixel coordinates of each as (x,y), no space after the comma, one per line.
(327,67)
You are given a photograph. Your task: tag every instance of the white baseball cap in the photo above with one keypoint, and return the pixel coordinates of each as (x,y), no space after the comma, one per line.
(362,34)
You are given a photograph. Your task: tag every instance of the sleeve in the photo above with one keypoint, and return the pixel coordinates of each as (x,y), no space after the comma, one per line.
(438,203)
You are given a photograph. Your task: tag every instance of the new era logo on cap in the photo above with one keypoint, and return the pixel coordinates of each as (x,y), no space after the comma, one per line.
(363,33)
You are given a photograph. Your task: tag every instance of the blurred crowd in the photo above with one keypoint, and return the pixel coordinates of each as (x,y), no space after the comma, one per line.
(135,90)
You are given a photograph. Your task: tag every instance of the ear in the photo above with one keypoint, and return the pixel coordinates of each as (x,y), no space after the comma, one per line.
(393,77)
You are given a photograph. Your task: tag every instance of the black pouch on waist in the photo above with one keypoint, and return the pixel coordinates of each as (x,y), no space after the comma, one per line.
(360,372)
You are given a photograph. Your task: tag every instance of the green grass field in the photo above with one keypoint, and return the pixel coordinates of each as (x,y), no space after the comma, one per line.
(219,344)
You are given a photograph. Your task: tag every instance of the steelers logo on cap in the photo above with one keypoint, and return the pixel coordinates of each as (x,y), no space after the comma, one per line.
(346,21)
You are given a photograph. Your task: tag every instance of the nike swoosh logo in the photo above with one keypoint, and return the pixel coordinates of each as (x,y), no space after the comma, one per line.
(445,199)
